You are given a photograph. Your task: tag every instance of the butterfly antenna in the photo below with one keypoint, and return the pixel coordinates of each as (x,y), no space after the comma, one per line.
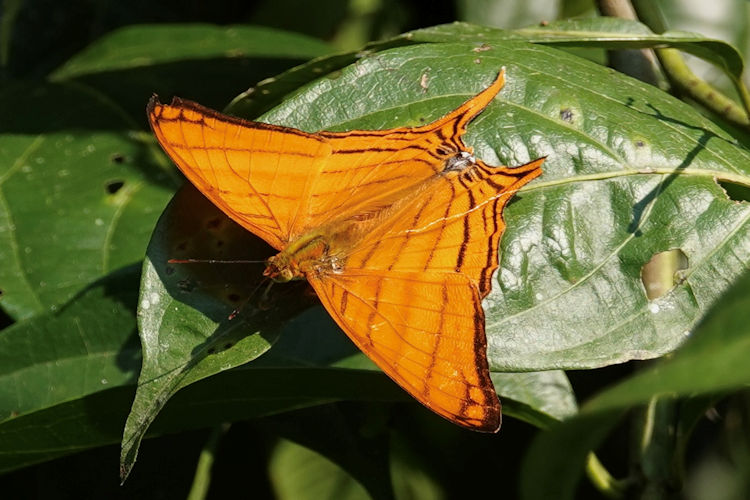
(239,308)
(214,261)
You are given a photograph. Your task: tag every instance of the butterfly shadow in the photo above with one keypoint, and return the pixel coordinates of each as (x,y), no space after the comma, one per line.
(220,307)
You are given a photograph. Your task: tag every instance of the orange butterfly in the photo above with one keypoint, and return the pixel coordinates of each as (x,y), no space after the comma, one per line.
(396,230)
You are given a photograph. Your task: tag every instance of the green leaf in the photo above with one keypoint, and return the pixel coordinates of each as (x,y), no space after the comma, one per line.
(539,398)
(297,472)
(187,328)
(206,63)
(94,348)
(79,194)
(133,47)
(630,172)
(712,361)
(600,32)
(60,360)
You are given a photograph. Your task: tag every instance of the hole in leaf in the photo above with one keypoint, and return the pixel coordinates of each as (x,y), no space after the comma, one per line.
(117,158)
(113,186)
(663,272)
(735,192)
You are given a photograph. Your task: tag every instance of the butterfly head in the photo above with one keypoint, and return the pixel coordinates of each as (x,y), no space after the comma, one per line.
(459,161)
(281,268)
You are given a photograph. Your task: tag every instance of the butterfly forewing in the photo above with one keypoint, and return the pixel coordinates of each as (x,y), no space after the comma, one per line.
(281,183)
(257,174)
(375,168)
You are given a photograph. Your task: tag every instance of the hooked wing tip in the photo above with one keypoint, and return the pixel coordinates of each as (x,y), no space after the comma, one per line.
(154,101)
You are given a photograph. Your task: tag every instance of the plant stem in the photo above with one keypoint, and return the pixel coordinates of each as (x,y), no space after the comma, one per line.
(686,81)
(602,480)
(656,450)
(202,478)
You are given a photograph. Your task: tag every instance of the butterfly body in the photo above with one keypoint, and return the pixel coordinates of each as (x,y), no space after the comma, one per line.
(397,231)
(308,255)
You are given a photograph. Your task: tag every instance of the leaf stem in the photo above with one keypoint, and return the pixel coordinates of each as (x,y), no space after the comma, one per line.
(686,81)
(602,480)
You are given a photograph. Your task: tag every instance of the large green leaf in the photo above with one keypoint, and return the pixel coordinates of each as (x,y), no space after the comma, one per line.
(88,346)
(297,472)
(79,194)
(630,172)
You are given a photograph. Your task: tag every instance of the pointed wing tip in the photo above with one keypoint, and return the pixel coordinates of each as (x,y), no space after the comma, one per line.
(492,427)
(490,424)
(532,168)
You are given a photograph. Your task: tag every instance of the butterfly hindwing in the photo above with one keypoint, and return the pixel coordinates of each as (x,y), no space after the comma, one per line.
(425,331)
